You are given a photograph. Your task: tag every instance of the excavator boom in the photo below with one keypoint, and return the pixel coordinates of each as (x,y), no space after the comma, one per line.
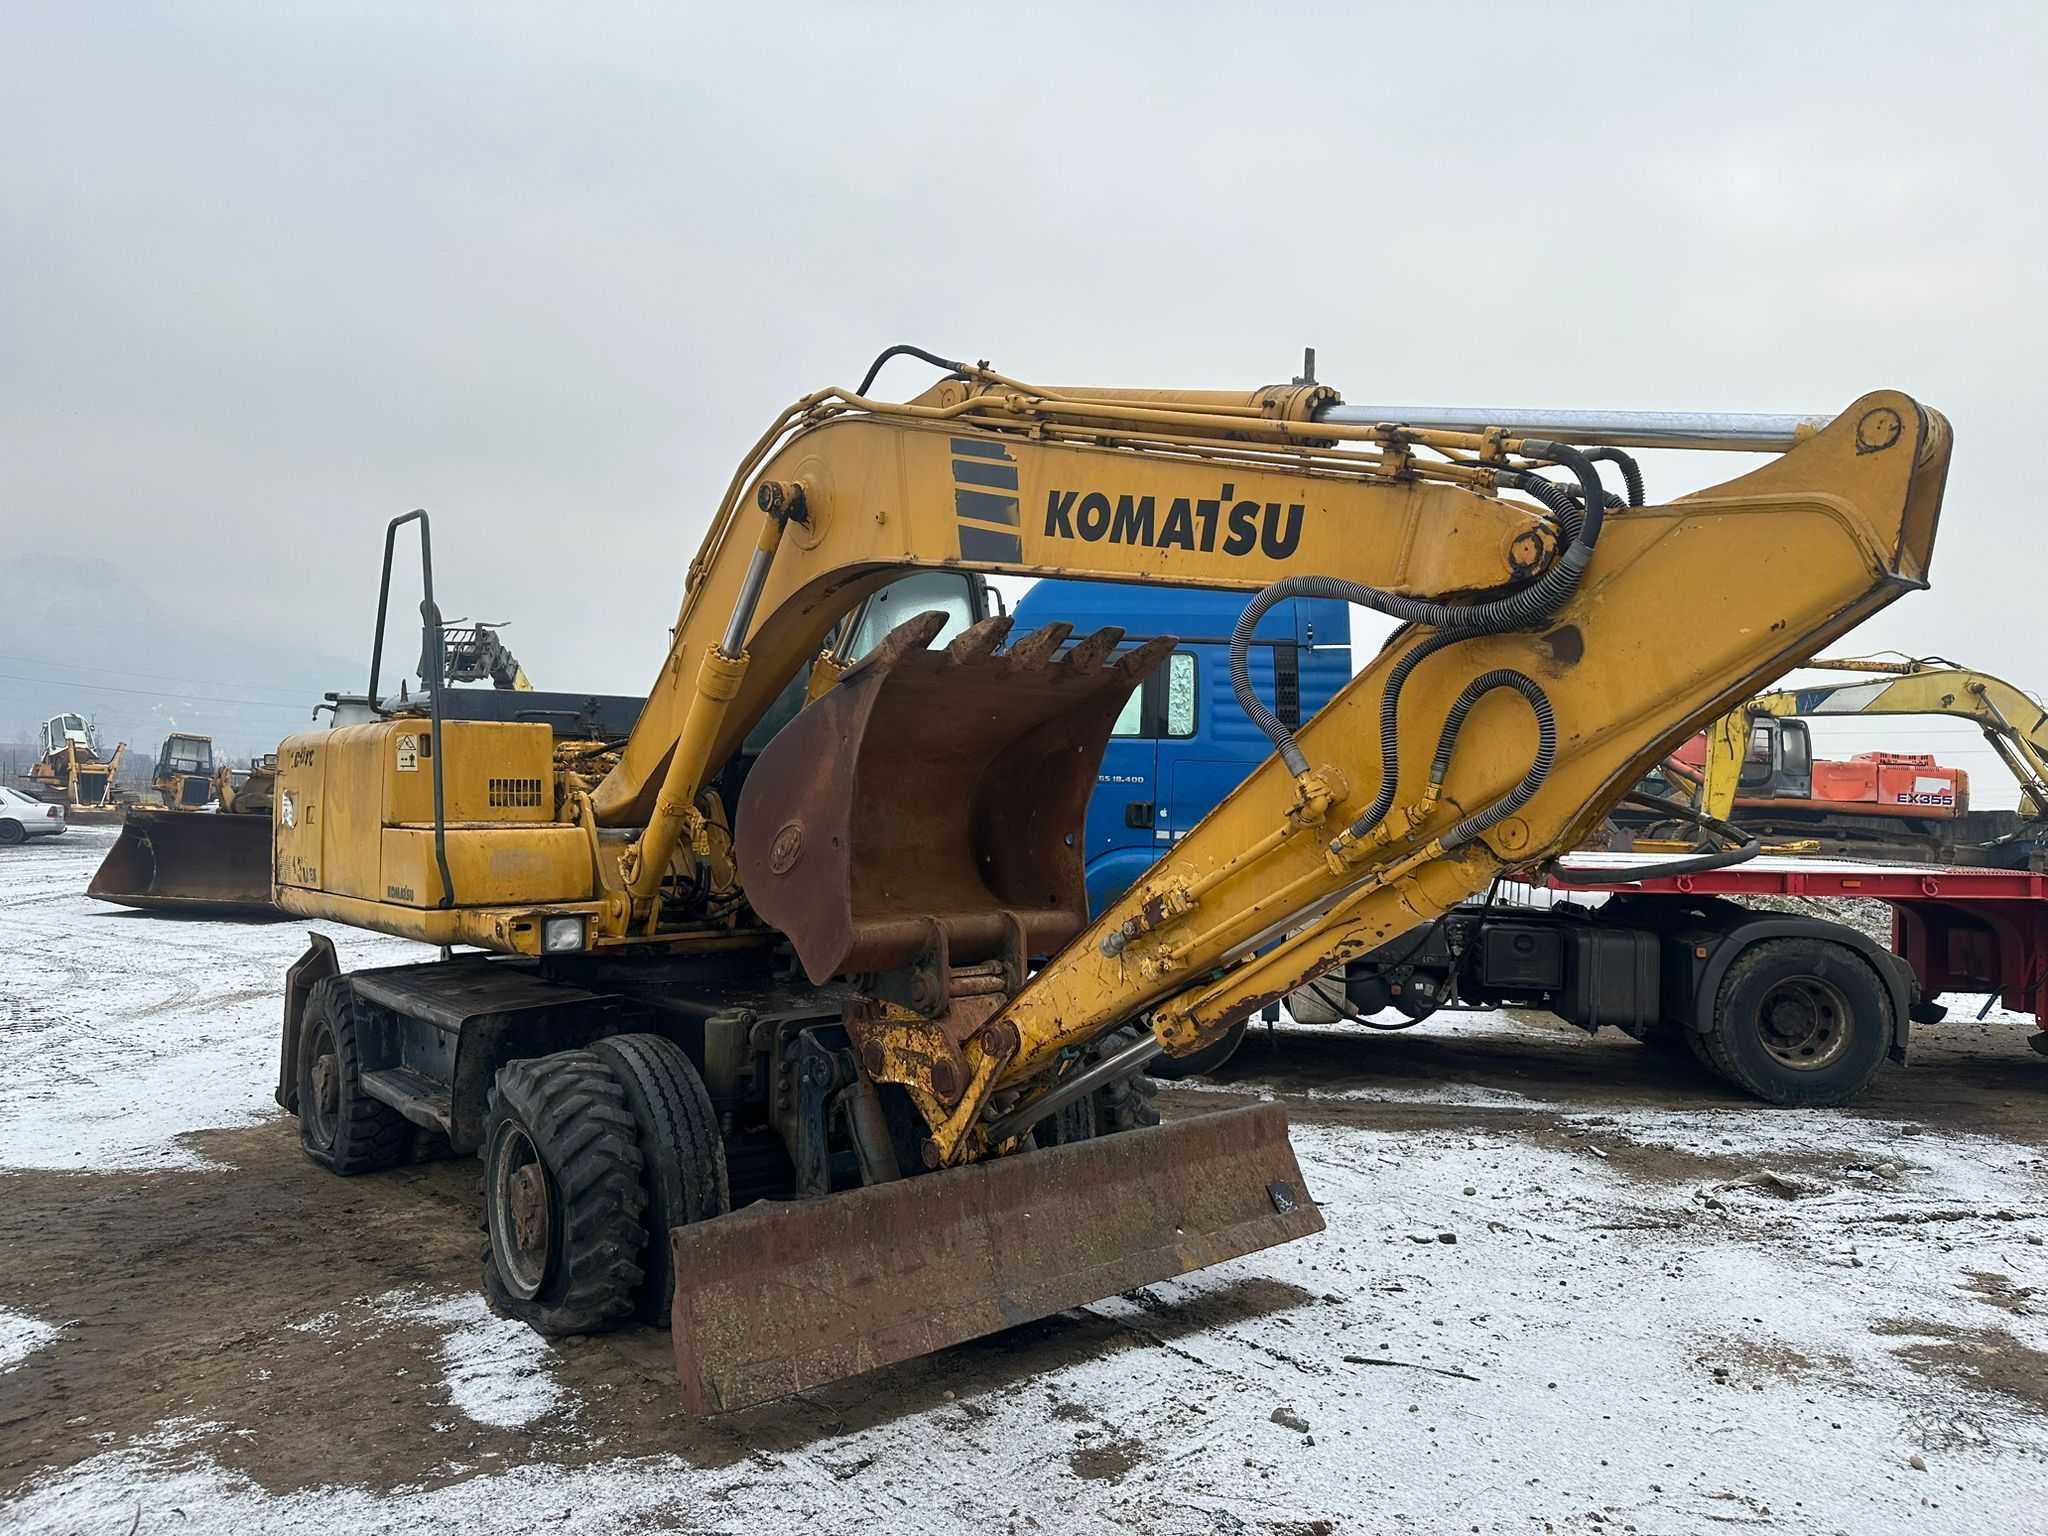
(912,835)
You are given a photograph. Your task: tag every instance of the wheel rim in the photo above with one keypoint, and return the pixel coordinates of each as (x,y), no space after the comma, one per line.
(1805,1023)
(521,1213)
(322,1107)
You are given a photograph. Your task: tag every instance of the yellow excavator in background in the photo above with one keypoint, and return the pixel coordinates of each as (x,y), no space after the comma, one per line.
(1759,771)
(848,965)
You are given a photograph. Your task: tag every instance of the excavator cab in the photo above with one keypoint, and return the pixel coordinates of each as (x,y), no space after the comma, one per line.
(184,772)
(1779,760)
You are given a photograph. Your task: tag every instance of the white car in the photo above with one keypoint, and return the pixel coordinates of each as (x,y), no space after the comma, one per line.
(22,818)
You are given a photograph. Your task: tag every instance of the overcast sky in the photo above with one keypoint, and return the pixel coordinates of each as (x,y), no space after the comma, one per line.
(270,274)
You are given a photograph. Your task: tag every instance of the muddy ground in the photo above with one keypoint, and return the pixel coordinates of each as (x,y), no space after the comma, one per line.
(1600,1291)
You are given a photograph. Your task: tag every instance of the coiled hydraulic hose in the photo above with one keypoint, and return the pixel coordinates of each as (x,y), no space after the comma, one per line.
(1539,765)
(1456,621)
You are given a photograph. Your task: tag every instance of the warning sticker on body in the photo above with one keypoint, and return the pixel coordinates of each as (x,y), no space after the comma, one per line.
(408,754)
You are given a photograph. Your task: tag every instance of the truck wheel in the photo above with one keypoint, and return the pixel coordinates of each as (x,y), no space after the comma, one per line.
(341,1127)
(1799,1022)
(1200,1063)
(682,1154)
(562,1195)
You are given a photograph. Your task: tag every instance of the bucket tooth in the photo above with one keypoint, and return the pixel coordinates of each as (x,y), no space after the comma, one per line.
(1087,655)
(980,640)
(780,1298)
(1038,647)
(914,634)
(1139,660)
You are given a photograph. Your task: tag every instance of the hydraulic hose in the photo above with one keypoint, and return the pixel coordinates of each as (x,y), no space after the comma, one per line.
(1539,766)
(904,349)
(1454,621)
(1743,848)
(1631,471)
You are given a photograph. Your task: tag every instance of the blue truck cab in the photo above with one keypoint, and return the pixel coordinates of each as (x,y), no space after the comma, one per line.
(1182,743)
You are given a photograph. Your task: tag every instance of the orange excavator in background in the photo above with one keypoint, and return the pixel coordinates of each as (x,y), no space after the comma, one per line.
(1756,768)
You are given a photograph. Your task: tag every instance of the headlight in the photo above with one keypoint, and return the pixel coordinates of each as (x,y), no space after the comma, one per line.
(561,935)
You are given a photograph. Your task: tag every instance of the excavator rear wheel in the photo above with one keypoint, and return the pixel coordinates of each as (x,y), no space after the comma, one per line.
(341,1127)
(682,1153)
(563,1198)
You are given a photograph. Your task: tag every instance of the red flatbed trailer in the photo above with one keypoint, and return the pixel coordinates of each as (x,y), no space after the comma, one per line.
(1962,930)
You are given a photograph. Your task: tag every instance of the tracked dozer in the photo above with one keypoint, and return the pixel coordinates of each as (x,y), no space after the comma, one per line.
(782,1018)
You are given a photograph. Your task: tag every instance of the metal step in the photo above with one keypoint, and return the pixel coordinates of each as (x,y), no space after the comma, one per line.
(419,1098)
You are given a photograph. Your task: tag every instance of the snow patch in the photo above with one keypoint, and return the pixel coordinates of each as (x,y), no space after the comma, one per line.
(496,1370)
(21,1336)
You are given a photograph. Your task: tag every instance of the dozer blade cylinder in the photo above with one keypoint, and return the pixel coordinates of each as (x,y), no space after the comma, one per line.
(780,1298)
(204,864)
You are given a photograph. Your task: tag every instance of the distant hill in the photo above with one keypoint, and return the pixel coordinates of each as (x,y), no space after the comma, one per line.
(76,634)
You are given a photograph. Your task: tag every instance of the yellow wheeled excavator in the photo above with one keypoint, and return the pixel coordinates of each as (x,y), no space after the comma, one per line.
(803,1040)
(1759,770)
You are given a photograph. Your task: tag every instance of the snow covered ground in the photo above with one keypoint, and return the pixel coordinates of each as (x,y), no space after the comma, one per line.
(1559,1292)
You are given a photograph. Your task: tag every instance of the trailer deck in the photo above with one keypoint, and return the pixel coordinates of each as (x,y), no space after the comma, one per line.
(1961,929)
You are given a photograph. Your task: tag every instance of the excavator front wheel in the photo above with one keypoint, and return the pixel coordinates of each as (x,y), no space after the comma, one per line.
(563,1200)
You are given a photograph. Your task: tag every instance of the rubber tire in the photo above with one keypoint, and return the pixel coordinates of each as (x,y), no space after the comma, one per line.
(1209,1058)
(574,1112)
(369,1135)
(682,1154)
(12,834)
(1732,1047)
(1126,1104)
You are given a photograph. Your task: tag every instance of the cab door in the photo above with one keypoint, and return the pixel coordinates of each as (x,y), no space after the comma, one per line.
(1124,813)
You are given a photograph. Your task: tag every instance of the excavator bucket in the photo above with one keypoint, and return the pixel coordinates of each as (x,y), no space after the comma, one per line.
(202,863)
(779,1298)
(936,793)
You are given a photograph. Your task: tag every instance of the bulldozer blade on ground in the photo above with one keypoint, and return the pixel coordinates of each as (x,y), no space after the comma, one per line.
(780,1298)
(202,863)
(936,792)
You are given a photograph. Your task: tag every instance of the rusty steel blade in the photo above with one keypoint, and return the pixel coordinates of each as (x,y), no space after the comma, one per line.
(779,1298)
(198,862)
(935,791)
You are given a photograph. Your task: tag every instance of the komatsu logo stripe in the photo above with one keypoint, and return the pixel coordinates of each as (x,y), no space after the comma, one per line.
(987,544)
(1001,477)
(990,509)
(981,472)
(1207,523)
(977,448)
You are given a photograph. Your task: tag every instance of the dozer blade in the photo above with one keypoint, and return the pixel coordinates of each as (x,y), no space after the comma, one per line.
(196,862)
(936,792)
(780,1298)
